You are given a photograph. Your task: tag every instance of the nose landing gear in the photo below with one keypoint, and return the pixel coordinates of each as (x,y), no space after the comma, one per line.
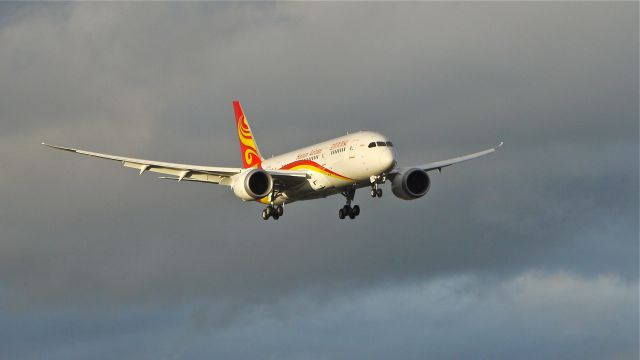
(347,210)
(375,182)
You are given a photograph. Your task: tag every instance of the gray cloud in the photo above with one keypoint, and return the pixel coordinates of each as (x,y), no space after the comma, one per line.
(558,82)
(548,315)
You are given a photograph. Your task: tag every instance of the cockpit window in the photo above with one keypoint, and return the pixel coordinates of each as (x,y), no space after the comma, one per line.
(389,143)
(381,143)
(372,144)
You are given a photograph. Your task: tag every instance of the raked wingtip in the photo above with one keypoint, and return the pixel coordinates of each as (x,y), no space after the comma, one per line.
(59,147)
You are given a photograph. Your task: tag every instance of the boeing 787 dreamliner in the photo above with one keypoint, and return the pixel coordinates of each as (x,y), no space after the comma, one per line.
(364,159)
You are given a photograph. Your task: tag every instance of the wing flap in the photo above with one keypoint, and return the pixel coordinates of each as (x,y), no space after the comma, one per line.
(202,178)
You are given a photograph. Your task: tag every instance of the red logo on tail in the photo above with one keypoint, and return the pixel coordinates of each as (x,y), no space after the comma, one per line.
(248,148)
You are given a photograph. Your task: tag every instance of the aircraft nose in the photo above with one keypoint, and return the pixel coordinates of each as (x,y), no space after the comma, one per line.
(387,160)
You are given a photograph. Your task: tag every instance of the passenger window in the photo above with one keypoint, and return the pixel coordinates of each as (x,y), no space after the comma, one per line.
(381,143)
(389,143)
(372,144)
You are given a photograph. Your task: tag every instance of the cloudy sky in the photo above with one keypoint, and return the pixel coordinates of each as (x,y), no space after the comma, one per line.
(529,253)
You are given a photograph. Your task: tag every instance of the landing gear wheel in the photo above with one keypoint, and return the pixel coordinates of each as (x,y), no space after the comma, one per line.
(279,210)
(356,210)
(275,216)
(374,193)
(379,192)
(346,210)
(265,214)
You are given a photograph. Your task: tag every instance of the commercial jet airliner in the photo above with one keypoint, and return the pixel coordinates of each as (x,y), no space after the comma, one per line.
(337,166)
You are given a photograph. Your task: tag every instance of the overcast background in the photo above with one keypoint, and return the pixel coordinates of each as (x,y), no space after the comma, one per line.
(531,252)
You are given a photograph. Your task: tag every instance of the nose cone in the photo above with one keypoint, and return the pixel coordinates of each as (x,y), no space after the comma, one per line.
(387,159)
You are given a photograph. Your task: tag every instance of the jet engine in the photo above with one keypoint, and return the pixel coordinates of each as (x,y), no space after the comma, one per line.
(253,184)
(410,184)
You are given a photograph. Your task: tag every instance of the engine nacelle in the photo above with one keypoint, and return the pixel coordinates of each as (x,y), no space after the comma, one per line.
(410,184)
(253,184)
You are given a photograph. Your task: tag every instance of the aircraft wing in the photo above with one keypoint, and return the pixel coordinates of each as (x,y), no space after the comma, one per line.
(197,173)
(444,163)
(209,174)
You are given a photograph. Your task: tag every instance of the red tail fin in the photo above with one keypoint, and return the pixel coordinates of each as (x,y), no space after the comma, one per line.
(250,154)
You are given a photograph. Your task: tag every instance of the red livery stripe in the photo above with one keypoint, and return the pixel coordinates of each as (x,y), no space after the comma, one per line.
(313,166)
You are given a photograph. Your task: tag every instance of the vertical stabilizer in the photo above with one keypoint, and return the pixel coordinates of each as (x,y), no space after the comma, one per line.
(250,154)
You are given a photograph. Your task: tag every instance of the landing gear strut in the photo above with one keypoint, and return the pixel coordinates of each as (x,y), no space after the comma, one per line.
(274,211)
(347,210)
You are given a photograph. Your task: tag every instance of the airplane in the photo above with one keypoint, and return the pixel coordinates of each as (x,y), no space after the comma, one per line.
(336,166)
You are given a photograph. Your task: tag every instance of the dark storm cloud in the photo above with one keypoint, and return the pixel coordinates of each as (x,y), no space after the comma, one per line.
(575,317)
(557,82)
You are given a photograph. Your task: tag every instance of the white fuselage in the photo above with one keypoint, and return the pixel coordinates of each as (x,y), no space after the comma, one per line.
(336,165)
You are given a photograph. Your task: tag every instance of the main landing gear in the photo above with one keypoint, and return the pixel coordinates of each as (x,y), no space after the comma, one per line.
(347,210)
(272,211)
